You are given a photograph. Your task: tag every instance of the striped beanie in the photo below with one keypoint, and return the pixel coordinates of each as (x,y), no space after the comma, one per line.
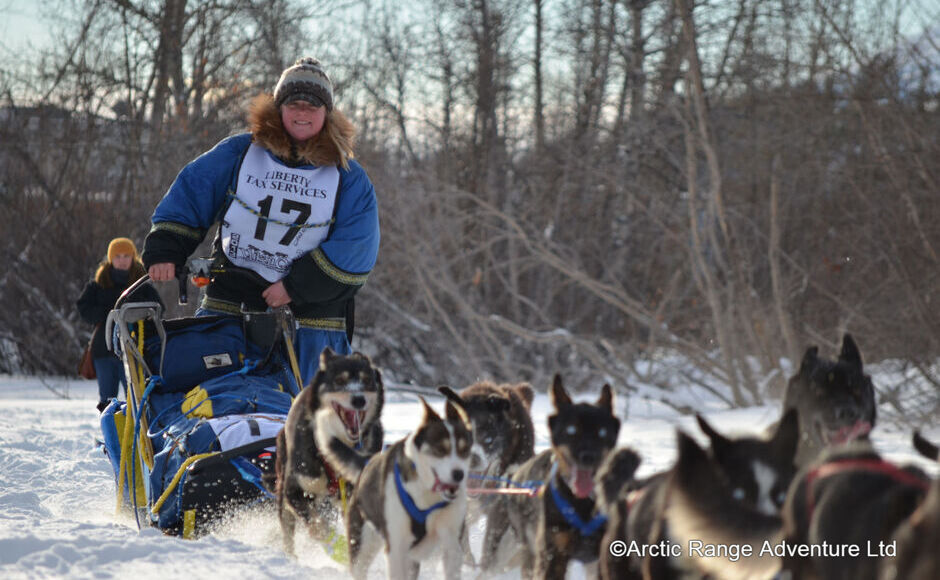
(305,81)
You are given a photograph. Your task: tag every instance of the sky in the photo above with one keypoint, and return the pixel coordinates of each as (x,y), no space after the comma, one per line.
(21,24)
(57,502)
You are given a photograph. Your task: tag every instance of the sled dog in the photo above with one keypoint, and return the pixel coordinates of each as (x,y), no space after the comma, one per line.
(342,402)
(503,439)
(850,497)
(561,523)
(918,537)
(736,488)
(412,496)
(503,434)
(835,400)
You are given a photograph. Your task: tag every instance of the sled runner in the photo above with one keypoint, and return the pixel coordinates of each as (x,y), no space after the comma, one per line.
(206,397)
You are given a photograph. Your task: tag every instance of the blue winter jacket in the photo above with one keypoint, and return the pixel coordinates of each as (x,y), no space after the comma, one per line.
(322,282)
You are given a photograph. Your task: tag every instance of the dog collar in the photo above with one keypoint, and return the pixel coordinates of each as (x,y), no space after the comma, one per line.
(417,514)
(570,514)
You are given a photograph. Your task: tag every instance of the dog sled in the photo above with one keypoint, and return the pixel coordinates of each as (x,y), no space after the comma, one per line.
(206,397)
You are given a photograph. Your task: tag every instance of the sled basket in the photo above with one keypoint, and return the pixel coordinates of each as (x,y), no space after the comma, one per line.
(206,397)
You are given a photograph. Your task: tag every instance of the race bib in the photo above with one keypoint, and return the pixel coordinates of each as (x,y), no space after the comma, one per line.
(278,213)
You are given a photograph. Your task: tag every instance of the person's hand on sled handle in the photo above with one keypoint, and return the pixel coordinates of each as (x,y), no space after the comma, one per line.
(162,272)
(276,295)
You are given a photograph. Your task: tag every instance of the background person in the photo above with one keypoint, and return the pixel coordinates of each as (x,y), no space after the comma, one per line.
(121,269)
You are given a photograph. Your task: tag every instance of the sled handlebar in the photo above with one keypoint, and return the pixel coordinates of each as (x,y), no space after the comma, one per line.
(181,273)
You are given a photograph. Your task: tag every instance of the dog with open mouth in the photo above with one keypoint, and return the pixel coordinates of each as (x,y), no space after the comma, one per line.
(412,497)
(560,522)
(835,400)
(343,402)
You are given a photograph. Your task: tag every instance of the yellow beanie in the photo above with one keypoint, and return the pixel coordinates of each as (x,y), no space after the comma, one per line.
(121,246)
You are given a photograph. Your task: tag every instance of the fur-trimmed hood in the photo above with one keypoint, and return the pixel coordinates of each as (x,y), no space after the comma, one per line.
(331,146)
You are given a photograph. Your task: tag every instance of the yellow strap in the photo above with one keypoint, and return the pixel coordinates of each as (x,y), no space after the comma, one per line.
(291,355)
(126,442)
(336,544)
(337,547)
(189,524)
(176,479)
(146,450)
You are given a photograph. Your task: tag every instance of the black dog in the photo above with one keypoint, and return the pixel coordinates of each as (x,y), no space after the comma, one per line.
(561,523)
(918,539)
(735,490)
(850,500)
(503,439)
(835,400)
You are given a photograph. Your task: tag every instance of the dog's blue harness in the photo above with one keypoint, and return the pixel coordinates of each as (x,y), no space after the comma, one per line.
(569,513)
(417,514)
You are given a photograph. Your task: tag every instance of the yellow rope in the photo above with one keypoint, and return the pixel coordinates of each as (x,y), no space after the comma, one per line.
(336,544)
(176,479)
(126,441)
(291,355)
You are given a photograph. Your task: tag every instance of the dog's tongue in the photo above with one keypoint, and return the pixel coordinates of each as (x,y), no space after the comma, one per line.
(851,432)
(352,419)
(441,486)
(583,483)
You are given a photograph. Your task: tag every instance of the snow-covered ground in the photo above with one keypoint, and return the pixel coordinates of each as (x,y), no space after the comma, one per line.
(57,501)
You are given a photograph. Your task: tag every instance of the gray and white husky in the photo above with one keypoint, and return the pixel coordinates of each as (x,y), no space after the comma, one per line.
(412,496)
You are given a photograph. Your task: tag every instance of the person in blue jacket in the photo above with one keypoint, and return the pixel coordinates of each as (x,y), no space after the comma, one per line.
(298,219)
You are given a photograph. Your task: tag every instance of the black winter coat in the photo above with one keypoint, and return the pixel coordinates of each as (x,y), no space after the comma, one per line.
(98,299)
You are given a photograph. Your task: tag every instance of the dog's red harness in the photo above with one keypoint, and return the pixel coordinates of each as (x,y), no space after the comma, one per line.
(333,486)
(879,466)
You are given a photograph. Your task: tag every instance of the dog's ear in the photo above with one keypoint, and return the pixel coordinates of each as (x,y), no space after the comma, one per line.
(810,358)
(606,400)
(719,441)
(362,356)
(455,412)
(924,447)
(693,461)
(325,357)
(787,436)
(850,353)
(560,397)
(525,392)
(430,415)
(449,393)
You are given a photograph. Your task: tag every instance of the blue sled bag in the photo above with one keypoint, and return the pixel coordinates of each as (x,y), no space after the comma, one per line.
(197,349)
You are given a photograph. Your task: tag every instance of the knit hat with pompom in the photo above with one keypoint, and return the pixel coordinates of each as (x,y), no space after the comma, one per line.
(305,80)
